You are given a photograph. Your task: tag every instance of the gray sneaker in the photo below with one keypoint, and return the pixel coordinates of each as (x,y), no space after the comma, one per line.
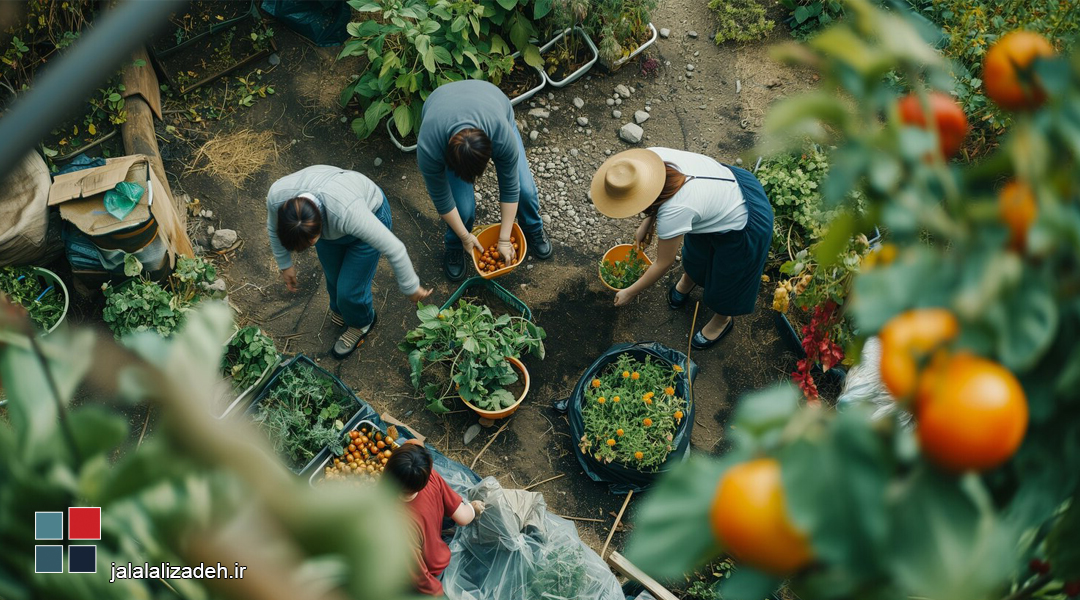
(352,339)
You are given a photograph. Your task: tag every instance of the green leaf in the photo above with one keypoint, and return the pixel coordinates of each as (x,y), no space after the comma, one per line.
(132,266)
(835,492)
(748,584)
(828,251)
(442,55)
(761,415)
(508,4)
(1062,548)
(541,8)
(502,398)
(801,14)
(532,57)
(1029,326)
(403,120)
(670,535)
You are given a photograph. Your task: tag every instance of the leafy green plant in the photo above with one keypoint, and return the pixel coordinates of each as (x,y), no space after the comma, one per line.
(464,351)
(569,53)
(144,305)
(622,26)
(301,414)
(558,573)
(740,21)
(969,27)
(247,356)
(621,274)
(43,303)
(809,16)
(413,47)
(792,181)
(631,412)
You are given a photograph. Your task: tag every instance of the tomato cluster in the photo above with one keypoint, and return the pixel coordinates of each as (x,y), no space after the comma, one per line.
(491,261)
(366,455)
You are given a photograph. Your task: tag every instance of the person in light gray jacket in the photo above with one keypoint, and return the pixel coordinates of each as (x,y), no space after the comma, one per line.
(346,217)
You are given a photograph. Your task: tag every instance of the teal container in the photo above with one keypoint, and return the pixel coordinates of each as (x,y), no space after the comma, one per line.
(514,303)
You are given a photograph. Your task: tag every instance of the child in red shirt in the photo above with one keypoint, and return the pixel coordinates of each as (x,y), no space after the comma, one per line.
(430,501)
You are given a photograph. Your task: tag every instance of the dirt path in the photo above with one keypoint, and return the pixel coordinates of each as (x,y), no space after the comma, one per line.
(702,114)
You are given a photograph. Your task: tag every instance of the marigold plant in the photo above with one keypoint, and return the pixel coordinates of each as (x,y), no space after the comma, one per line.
(638,425)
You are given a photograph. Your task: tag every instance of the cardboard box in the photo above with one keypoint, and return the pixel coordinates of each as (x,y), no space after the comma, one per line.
(81,198)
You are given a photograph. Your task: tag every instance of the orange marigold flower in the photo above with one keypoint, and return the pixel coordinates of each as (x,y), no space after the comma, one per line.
(677,368)
(601,400)
(635,375)
(647,422)
(611,442)
(648,401)
(619,432)
(639,455)
(625,374)
(678,415)
(596,383)
(616,399)
(670,391)
(648,395)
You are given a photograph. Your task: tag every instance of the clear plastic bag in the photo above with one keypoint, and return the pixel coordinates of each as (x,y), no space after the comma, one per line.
(863,385)
(517,550)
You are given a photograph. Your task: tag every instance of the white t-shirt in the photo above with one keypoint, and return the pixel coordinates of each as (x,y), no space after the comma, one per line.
(701,205)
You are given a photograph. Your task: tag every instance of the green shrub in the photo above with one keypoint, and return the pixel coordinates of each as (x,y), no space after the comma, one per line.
(970,27)
(415,46)
(740,20)
(808,16)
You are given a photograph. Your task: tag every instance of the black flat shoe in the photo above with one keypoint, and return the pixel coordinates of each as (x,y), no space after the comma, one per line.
(700,342)
(677,299)
(454,264)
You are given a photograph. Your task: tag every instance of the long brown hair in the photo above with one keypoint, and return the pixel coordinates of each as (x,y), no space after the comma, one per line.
(674,179)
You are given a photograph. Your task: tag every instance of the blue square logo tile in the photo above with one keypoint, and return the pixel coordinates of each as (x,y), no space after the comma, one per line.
(49,525)
(48,559)
(82,559)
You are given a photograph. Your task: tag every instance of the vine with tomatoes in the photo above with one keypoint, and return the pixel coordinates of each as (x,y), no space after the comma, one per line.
(977,495)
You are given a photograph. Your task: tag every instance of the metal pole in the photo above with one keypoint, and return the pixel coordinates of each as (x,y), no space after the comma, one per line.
(66,84)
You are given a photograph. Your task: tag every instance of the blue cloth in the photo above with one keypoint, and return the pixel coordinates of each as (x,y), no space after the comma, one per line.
(728,265)
(528,214)
(349,265)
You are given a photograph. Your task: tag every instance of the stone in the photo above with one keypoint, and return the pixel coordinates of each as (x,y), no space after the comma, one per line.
(622,91)
(665,32)
(551,96)
(641,116)
(210,230)
(692,34)
(583,121)
(539,113)
(274,60)
(344,119)
(378,162)
(223,239)
(546,219)
(689,75)
(573,152)
(533,135)
(579,103)
(631,133)
(611,102)
(696,54)
(689,67)
(738,161)
(648,109)
(618,102)
(616,114)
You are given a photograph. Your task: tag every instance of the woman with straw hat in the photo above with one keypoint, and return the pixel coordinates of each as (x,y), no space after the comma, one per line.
(718,214)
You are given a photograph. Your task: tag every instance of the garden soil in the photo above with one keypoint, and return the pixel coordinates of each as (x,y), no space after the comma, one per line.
(702,114)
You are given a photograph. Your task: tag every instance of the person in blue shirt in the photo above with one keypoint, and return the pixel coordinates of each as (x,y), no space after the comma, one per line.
(464,125)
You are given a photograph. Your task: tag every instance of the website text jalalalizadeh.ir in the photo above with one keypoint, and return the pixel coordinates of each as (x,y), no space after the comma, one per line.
(170,571)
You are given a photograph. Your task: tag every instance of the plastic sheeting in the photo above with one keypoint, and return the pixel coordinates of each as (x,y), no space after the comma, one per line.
(863,385)
(517,550)
(323,22)
(623,479)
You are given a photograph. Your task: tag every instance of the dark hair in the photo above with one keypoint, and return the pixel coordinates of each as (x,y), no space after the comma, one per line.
(674,179)
(468,153)
(410,467)
(299,222)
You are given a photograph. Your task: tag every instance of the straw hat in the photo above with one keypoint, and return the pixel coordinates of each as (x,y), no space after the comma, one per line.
(628,183)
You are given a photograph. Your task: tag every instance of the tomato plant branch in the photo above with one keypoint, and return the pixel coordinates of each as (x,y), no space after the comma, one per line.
(1029,590)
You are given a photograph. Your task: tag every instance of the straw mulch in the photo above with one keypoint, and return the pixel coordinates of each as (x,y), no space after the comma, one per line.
(235,156)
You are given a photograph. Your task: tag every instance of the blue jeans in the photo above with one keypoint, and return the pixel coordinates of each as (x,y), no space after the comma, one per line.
(349,265)
(528,214)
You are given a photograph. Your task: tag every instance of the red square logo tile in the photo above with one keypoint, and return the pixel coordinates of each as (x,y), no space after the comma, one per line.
(84,523)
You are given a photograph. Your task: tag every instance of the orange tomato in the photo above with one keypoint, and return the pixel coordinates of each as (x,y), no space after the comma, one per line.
(749,517)
(1007,75)
(908,338)
(971,413)
(1018,209)
(949,119)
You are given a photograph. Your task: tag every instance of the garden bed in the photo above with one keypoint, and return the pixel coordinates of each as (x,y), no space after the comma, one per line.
(568,56)
(522,82)
(303,411)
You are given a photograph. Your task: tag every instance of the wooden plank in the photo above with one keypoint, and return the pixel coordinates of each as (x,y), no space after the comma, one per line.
(141,81)
(627,568)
